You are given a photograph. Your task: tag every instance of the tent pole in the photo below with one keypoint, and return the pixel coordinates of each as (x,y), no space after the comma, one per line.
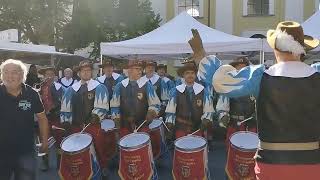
(101,64)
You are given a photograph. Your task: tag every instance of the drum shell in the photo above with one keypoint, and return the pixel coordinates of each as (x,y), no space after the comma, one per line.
(80,164)
(190,163)
(136,161)
(240,161)
(105,143)
(157,140)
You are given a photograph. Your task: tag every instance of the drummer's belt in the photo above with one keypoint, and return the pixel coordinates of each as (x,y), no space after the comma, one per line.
(289,146)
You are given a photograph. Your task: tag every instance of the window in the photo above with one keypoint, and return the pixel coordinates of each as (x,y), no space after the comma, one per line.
(192,7)
(258,7)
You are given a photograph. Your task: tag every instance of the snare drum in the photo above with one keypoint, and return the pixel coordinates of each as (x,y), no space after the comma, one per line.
(78,159)
(136,161)
(158,140)
(104,139)
(190,159)
(240,160)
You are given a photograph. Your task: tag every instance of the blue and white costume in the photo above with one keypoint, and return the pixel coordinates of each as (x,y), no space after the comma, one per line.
(80,100)
(286,94)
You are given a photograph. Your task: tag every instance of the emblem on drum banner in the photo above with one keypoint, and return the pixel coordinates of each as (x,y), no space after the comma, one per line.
(133,169)
(243,170)
(140,96)
(74,170)
(90,96)
(199,102)
(185,171)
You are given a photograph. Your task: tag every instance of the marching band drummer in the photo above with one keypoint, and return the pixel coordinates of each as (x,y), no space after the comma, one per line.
(161,84)
(51,94)
(287,102)
(67,80)
(190,107)
(233,111)
(84,98)
(134,100)
(110,79)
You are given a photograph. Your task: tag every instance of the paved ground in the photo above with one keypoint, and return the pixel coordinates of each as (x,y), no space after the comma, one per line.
(217,159)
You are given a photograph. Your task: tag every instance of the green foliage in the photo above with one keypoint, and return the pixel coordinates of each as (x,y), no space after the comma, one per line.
(75,24)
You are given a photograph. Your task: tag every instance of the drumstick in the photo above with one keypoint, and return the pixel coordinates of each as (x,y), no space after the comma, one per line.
(239,123)
(85,127)
(164,124)
(136,130)
(57,128)
(194,132)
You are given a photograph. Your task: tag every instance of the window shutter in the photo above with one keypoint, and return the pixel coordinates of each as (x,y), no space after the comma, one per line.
(271,7)
(245,7)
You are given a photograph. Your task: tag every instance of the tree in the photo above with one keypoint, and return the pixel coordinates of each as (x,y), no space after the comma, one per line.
(39,21)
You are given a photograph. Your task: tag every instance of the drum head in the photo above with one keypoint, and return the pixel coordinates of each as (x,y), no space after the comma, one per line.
(76,142)
(107,124)
(155,123)
(245,140)
(190,143)
(134,140)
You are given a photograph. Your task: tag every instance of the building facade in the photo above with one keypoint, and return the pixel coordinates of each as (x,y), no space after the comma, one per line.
(239,17)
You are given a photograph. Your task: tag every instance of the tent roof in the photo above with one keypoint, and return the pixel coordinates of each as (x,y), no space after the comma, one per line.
(172,38)
(312,25)
(41,49)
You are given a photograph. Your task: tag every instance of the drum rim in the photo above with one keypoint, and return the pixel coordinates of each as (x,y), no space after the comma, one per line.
(137,146)
(190,150)
(243,149)
(76,152)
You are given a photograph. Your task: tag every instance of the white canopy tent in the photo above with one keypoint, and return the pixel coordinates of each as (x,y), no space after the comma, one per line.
(172,38)
(311,26)
(11,46)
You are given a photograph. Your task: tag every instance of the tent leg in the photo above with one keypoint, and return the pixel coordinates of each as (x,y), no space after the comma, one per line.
(261,57)
(101,63)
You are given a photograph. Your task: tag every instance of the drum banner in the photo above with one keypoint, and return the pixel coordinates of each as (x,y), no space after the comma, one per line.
(189,165)
(135,164)
(104,143)
(76,166)
(240,165)
(156,142)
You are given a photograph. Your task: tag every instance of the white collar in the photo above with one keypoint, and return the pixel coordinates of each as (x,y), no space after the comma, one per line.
(115,76)
(92,84)
(142,81)
(66,82)
(292,69)
(197,88)
(166,79)
(57,85)
(155,77)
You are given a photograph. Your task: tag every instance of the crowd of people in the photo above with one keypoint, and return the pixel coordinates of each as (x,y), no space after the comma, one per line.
(280,104)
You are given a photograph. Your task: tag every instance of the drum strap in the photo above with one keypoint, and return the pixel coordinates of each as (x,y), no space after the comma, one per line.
(289,146)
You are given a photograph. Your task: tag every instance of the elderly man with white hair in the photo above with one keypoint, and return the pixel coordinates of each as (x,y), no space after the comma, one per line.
(67,80)
(19,103)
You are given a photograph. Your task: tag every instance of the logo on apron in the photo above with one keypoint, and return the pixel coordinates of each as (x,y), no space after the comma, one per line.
(140,96)
(90,96)
(199,102)
(24,105)
(185,171)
